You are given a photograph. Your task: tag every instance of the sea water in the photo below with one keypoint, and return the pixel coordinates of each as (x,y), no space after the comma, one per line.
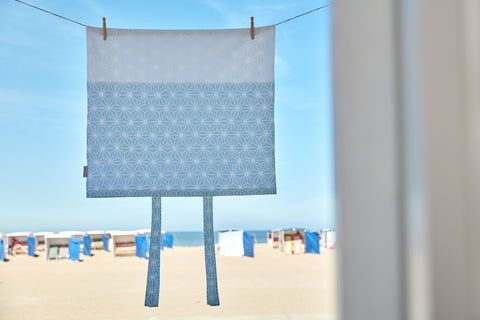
(195,238)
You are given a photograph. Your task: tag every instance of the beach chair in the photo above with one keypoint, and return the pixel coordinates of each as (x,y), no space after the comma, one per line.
(288,245)
(56,246)
(63,252)
(18,247)
(123,243)
(269,239)
(297,244)
(52,253)
(40,240)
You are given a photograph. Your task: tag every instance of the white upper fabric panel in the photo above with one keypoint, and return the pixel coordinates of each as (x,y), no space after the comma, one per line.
(206,56)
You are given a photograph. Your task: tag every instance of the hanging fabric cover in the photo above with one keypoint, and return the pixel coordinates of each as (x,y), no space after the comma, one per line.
(248,244)
(163,241)
(168,240)
(87,245)
(141,246)
(2,250)
(180,113)
(312,242)
(74,248)
(147,243)
(31,242)
(105,241)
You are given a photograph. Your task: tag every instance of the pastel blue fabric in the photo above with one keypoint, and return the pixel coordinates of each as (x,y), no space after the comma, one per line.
(209,246)
(180,140)
(31,242)
(87,245)
(180,113)
(312,242)
(105,241)
(248,244)
(153,276)
(2,250)
(74,248)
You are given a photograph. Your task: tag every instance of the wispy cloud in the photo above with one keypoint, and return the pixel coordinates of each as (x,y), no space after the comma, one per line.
(95,8)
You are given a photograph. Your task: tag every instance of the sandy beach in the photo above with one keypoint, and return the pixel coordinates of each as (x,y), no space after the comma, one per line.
(269,286)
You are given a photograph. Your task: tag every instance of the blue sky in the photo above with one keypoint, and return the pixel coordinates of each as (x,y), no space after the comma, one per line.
(43,113)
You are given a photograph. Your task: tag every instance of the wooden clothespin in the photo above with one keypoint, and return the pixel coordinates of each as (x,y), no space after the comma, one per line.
(252,29)
(104,29)
(85,171)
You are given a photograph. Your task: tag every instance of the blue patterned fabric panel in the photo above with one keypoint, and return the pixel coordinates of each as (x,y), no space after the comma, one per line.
(180,139)
(153,274)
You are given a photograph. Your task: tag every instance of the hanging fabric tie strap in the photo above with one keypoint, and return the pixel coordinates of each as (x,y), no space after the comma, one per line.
(210,263)
(153,276)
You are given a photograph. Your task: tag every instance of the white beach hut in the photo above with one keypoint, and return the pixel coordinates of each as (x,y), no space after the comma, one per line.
(230,242)
(123,243)
(40,239)
(275,238)
(292,241)
(56,246)
(18,241)
(144,231)
(330,240)
(74,234)
(110,240)
(97,238)
(235,242)
(270,239)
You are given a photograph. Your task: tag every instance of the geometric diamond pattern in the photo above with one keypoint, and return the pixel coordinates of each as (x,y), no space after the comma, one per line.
(147,139)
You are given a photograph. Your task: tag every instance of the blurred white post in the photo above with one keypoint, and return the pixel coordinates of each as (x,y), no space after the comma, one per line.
(407,117)
(367,159)
(441,112)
